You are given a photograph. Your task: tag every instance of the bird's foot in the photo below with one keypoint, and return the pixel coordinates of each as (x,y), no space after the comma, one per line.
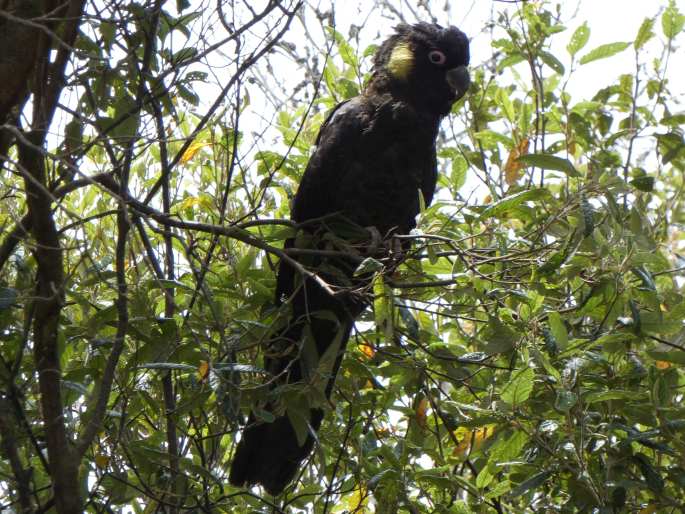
(396,247)
(376,240)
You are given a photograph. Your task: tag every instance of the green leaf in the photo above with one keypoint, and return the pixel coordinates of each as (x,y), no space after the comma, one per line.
(73,134)
(509,202)
(500,338)
(504,102)
(368,265)
(603,396)
(549,162)
(672,21)
(505,450)
(436,477)
(459,169)
(552,62)
(519,387)
(510,60)
(490,138)
(558,329)
(461,507)
(604,51)
(553,263)
(644,183)
(484,477)
(613,339)
(184,54)
(671,146)
(674,356)
(126,116)
(644,34)
(263,415)
(464,484)
(579,39)
(188,95)
(326,365)
(370,50)
(297,415)
(347,53)
(532,483)
(383,307)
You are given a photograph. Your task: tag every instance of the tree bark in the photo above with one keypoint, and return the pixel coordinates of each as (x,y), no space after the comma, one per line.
(29,30)
(48,305)
(19,42)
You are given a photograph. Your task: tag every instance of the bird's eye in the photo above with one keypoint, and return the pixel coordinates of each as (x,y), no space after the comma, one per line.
(436,57)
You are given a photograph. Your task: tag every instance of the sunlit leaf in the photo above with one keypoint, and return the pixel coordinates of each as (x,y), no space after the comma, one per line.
(579,39)
(513,167)
(550,162)
(603,52)
(203,370)
(644,34)
(501,207)
(672,21)
(531,483)
(192,150)
(519,387)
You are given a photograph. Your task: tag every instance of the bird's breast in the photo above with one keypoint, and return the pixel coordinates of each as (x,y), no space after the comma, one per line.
(382,189)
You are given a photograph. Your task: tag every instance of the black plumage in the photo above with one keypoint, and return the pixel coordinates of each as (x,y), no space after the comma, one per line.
(375,155)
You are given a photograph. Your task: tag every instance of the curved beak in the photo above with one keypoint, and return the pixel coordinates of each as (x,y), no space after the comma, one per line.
(459,81)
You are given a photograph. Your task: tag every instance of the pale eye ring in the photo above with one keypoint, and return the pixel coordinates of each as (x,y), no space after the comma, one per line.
(437,57)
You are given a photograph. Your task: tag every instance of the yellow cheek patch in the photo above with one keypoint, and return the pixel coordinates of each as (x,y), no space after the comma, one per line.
(401,61)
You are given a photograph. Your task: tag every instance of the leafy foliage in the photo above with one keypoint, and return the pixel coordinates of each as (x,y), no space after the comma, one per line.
(525,356)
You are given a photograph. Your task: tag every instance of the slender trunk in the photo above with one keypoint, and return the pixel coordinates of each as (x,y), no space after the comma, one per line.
(48,305)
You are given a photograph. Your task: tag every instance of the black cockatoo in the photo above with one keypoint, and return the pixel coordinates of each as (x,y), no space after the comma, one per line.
(375,155)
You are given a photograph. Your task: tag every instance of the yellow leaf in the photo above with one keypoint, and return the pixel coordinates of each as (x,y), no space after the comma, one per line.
(421,412)
(101,460)
(203,371)
(467,437)
(461,448)
(512,169)
(571,146)
(367,350)
(469,327)
(192,150)
(360,500)
(205,201)
(357,502)
(188,202)
(383,431)
(662,365)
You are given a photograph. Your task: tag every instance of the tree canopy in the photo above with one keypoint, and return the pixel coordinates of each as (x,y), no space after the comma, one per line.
(526,355)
